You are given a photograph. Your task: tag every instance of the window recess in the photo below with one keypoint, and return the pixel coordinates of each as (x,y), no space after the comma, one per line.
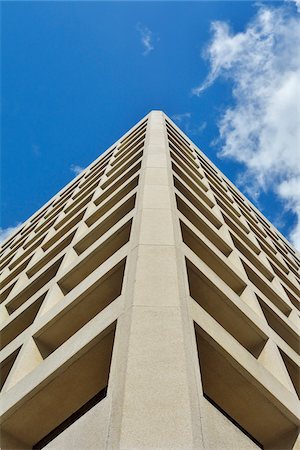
(219,306)
(86,265)
(226,383)
(74,383)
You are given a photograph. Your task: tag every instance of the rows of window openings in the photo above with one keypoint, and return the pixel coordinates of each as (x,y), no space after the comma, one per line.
(186,200)
(119,193)
(244,251)
(252,216)
(69,225)
(253,219)
(196,215)
(96,171)
(83,182)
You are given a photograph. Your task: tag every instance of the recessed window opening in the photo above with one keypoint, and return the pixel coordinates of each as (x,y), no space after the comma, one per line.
(76,207)
(206,254)
(84,308)
(237,225)
(133,132)
(199,193)
(292,261)
(186,176)
(6,366)
(201,207)
(110,202)
(252,258)
(39,232)
(72,419)
(212,402)
(54,212)
(194,174)
(35,242)
(267,248)
(183,157)
(92,176)
(285,280)
(172,129)
(123,158)
(280,326)
(215,302)
(101,162)
(50,255)
(41,213)
(295,301)
(131,143)
(196,190)
(15,272)
(7,259)
(72,385)
(208,165)
(88,185)
(217,185)
(18,243)
(293,370)
(20,323)
(119,184)
(134,144)
(27,230)
(201,225)
(33,287)
(172,134)
(9,242)
(257,231)
(63,230)
(82,195)
(68,192)
(114,174)
(228,385)
(182,148)
(227,207)
(7,291)
(292,269)
(105,225)
(264,287)
(125,176)
(94,260)
(222,195)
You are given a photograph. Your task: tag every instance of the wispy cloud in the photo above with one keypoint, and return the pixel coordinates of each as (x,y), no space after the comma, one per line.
(185,122)
(297,3)
(261,129)
(76,169)
(181,118)
(36,149)
(147,38)
(6,232)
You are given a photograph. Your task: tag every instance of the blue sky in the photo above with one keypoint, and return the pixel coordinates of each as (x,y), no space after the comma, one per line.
(78,75)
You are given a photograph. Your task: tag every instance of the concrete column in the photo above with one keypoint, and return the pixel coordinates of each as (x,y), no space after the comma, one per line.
(156,410)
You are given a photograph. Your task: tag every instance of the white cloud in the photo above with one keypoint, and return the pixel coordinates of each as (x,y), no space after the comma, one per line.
(297,3)
(262,129)
(184,121)
(76,169)
(6,232)
(181,117)
(147,38)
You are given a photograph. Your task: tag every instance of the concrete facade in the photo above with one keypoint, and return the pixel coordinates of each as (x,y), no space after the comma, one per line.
(149,305)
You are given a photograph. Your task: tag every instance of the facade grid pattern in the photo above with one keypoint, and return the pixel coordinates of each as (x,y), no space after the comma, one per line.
(149,305)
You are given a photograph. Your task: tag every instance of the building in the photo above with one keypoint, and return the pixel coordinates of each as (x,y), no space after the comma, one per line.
(150,305)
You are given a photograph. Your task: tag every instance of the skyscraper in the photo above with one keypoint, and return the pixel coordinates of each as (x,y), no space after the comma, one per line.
(149,305)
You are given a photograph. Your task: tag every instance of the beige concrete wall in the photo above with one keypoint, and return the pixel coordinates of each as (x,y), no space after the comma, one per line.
(150,274)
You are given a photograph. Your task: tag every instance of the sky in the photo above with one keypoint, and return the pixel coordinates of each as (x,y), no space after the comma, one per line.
(77,75)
